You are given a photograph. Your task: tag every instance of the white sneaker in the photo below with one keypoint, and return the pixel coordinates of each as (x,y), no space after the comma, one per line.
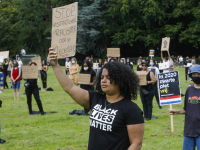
(1,92)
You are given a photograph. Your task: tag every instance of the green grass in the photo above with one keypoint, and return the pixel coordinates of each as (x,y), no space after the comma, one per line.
(62,131)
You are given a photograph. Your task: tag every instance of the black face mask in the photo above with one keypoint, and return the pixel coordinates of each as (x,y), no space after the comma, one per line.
(196,80)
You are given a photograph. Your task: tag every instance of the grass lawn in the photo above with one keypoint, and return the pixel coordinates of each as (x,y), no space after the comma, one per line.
(57,130)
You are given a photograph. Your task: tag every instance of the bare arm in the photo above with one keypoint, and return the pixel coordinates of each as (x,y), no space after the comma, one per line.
(135,133)
(168,54)
(162,55)
(153,79)
(175,112)
(79,95)
(12,75)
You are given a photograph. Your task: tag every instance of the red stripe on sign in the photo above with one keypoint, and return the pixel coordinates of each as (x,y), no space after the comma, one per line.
(170,97)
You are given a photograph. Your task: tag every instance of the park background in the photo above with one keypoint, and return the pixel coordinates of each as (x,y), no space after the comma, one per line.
(135,26)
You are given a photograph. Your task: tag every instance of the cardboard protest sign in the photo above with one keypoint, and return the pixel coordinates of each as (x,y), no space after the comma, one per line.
(142,77)
(161,66)
(165,44)
(151,53)
(64,30)
(84,78)
(95,65)
(5,54)
(1,59)
(169,88)
(37,60)
(1,81)
(113,52)
(30,72)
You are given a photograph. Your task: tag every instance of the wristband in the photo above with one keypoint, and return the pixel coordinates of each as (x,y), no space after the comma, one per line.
(148,82)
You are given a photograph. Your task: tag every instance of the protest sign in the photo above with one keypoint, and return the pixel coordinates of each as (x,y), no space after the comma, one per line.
(142,77)
(84,78)
(37,60)
(169,88)
(165,44)
(113,52)
(5,54)
(151,53)
(1,81)
(1,59)
(161,66)
(95,65)
(30,72)
(189,64)
(64,30)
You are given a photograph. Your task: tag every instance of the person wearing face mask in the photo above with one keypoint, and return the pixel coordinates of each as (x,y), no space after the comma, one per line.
(73,70)
(129,63)
(86,69)
(122,60)
(190,69)
(191,110)
(147,92)
(155,71)
(166,62)
(186,67)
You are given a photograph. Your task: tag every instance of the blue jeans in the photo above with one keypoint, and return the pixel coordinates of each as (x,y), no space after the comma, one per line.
(16,85)
(190,143)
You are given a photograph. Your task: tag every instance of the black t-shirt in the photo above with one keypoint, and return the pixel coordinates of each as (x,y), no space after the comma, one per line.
(108,127)
(32,80)
(139,69)
(85,86)
(100,65)
(192,108)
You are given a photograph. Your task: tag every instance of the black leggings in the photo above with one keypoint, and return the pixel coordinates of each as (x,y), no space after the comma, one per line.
(156,93)
(147,104)
(33,89)
(44,79)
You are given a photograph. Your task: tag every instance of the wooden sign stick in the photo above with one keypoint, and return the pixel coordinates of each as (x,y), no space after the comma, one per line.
(172,121)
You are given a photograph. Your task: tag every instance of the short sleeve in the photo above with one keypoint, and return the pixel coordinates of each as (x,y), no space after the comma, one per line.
(134,115)
(94,98)
(186,99)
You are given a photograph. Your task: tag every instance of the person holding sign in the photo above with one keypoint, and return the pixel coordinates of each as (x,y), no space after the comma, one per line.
(115,121)
(191,110)
(44,75)
(147,92)
(33,89)
(166,62)
(15,77)
(155,70)
(73,71)
(86,69)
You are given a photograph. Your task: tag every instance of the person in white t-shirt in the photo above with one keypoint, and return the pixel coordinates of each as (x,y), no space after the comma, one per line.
(181,60)
(20,64)
(67,64)
(166,62)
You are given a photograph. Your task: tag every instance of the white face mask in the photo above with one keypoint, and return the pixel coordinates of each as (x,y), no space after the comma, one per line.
(122,62)
(85,68)
(127,60)
(73,62)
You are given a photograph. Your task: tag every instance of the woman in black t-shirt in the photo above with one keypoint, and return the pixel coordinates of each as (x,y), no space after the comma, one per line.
(33,89)
(139,67)
(86,69)
(147,92)
(115,121)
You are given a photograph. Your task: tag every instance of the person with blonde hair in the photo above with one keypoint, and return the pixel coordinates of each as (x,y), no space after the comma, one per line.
(73,71)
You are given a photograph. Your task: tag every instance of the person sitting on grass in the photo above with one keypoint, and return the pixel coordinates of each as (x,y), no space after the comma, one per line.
(191,110)
(115,121)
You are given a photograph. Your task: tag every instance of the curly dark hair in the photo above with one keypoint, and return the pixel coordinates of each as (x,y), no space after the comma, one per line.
(123,76)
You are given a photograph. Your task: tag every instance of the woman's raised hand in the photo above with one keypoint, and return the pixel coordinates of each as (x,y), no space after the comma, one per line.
(52,57)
